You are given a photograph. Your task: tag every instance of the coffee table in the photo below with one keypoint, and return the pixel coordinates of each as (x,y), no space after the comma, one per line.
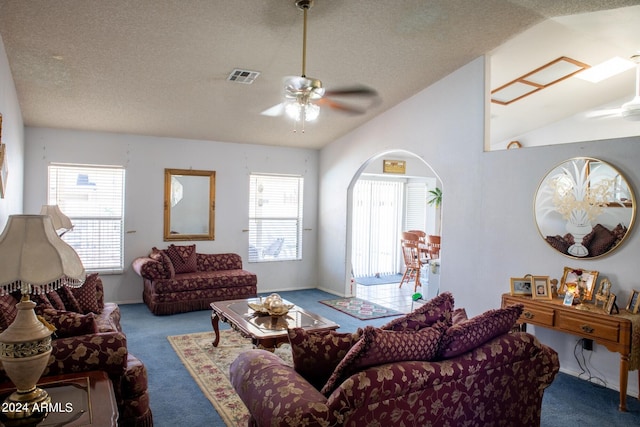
(265,331)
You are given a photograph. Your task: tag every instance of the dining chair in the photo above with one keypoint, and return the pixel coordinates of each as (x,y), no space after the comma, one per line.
(412,263)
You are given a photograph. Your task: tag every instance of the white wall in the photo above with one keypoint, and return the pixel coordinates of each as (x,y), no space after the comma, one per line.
(13,137)
(488,232)
(145,159)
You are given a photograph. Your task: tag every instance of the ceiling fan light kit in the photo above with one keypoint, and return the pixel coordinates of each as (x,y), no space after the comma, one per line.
(303,96)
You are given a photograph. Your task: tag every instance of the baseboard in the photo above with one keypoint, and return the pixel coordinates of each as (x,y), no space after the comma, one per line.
(139,301)
(631,390)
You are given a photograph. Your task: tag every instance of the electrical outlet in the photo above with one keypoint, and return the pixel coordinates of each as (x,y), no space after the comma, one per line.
(587,344)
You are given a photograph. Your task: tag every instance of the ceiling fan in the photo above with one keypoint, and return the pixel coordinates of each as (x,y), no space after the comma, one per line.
(303,96)
(629,110)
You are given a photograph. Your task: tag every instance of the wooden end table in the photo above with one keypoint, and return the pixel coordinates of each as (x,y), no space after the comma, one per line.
(266,332)
(78,399)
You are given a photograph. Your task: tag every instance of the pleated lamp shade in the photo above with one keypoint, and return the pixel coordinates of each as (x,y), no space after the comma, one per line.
(32,253)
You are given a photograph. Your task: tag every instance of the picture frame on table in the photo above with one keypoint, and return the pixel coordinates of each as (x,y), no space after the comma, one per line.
(568,299)
(541,287)
(571,275)
(633,305)
(610,305)
(521,286)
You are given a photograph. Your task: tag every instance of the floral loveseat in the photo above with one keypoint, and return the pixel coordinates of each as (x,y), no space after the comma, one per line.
(419,370)
(178,279)
(89,337)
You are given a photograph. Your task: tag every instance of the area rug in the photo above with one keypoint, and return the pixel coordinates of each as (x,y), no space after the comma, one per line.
(379,280)
(360,309)
(209,367)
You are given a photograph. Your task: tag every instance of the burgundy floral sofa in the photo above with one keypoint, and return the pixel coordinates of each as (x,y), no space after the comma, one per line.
(89,337)
(424,369)
(178,279)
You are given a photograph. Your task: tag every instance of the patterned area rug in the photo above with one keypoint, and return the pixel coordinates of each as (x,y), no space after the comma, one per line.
(379,280)
(360,309)
(209,367)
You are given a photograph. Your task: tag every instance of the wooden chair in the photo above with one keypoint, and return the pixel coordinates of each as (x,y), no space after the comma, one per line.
(412,264)
(433,243)
(423,248)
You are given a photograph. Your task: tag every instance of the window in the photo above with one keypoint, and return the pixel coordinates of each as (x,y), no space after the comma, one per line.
(93,198)
(275,217)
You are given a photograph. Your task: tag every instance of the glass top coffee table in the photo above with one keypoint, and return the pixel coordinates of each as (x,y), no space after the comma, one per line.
(265,331)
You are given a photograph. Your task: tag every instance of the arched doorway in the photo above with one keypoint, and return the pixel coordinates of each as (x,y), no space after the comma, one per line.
(380,205)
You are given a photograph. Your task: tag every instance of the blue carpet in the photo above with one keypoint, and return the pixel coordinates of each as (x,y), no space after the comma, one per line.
(177,400)
(379,280)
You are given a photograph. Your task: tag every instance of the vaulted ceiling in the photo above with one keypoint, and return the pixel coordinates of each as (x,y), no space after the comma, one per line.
(160,67)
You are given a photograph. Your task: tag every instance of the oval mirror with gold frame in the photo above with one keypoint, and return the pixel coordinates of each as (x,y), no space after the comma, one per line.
(189,204)
(584,208)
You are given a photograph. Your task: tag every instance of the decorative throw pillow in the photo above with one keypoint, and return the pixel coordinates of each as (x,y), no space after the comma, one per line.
(55,300)
(70,301)
(459,315)
(183,258)
(150,269)
(602,240)
(435,310)
(86,295)
(558,243)
(8,311)
(161,256)
(70,324)
(42,302)
(317,353)
(378,346)
(619,231)
(466,336)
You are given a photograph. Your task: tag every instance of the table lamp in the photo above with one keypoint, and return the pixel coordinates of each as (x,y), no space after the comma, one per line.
(61,222)
(33,259)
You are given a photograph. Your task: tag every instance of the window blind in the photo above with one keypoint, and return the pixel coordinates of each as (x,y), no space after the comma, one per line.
(93,199)
(275,217)
(416,207)
(376,216)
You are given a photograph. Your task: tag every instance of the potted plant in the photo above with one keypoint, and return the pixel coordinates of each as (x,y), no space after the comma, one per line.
(434,198)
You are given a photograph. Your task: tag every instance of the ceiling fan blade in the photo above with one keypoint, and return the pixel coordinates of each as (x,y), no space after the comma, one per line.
(275,111)
(351,109)
(353,91)
(600,114)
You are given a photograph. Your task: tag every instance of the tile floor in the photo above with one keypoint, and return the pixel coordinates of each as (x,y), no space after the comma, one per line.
(391,295)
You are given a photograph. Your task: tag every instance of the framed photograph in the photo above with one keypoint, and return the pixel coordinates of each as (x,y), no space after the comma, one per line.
(541,287)
(576,276)
(604,291)
(568,299)
(521,286)
(4,171)
(634,302)
(394,166)
(610,304)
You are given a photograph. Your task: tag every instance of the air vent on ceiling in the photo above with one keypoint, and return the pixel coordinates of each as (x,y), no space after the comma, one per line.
(243,76)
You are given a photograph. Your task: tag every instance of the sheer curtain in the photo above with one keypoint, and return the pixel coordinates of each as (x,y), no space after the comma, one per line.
(377,213)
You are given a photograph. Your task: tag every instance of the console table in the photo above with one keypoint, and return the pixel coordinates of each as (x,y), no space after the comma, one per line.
(612,331)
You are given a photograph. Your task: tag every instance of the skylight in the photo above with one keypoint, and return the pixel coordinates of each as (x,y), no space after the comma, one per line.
(606,69)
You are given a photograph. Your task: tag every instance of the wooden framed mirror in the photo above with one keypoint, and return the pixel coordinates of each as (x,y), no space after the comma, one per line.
(189,204)
(584,208)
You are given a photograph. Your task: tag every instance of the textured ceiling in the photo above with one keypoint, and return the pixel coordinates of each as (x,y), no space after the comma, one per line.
(159,67)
